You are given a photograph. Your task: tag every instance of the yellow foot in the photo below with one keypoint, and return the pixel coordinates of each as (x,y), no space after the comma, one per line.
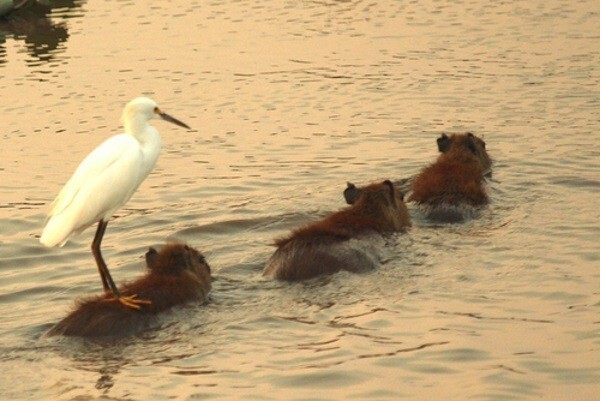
(131,301)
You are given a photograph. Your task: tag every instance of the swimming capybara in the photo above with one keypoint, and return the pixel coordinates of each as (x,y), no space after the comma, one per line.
(455,182)
(176,275)
(345,240)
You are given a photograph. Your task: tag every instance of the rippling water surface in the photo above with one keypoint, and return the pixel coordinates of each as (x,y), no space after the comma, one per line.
(288,101)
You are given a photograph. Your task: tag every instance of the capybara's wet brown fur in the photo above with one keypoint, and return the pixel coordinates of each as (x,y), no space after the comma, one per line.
(340,240)
(457,177)
(176,275)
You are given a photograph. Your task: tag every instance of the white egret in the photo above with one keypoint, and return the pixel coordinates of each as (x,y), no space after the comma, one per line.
(104,182)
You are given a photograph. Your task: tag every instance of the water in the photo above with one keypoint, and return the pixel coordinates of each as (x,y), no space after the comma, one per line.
(288,101)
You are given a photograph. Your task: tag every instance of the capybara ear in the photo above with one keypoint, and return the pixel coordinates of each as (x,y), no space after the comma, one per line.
(151,257)
(392,191)
(203,261)
(471,142)
(351,193)
(481,141)
(443,143)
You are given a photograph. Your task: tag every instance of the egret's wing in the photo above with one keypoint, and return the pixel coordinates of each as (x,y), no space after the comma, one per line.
(106,191)
(100,159)
(102,183)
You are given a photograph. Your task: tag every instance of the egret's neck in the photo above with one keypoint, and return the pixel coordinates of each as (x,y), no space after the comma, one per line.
(149,140)
(136,126)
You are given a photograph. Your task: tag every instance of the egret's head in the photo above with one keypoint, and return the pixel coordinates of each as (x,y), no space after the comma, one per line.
(146,108)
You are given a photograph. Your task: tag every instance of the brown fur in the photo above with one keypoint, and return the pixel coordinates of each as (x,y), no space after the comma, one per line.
(335,242)
(176,275)
(457,177)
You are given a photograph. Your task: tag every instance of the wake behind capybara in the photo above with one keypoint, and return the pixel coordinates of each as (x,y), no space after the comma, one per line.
(455,180)
(176,275)
(345,240)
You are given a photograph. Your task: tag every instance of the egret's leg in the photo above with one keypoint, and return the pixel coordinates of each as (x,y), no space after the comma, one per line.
(107,281)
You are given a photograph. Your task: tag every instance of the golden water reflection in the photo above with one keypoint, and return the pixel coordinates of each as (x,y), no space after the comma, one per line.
(288,101)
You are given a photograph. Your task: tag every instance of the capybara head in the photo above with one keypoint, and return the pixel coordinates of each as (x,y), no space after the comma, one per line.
(173,259)
(380,200)
(465,146)
(352,193)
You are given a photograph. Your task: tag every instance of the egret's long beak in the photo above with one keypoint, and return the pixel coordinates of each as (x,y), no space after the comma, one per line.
(170,119)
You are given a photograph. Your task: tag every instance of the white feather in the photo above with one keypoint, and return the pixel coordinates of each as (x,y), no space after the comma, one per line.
(107,177)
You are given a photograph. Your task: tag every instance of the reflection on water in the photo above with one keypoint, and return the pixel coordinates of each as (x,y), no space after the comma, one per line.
(290,100)
(34,25)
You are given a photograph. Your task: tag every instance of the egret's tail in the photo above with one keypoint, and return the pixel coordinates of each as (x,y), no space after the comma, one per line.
(56,232)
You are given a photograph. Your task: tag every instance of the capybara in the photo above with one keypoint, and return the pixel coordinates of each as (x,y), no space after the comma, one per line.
(344,240)
(455,183)
(176,275)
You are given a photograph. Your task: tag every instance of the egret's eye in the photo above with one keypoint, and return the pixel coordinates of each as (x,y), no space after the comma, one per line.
(156,110)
